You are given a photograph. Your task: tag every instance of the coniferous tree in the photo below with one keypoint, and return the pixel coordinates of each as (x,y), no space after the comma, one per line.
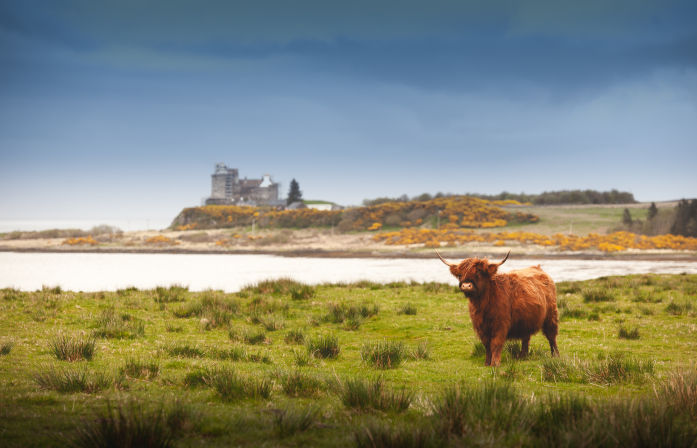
(653,211)
(294,193)
(627,218)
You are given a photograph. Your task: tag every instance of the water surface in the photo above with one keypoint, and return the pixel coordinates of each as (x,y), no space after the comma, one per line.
(97,272)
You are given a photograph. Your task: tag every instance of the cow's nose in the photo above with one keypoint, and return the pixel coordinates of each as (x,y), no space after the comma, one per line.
(466,286)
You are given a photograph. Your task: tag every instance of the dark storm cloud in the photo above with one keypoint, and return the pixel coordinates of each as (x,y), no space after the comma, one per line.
(439,45)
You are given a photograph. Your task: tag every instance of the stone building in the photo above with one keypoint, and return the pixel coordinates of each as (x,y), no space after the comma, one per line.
(227,188)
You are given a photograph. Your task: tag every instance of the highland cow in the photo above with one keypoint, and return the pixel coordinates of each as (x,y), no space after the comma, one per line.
(514,305)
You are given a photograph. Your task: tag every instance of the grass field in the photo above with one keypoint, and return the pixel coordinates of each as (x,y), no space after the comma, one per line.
(579,220)
(286,364)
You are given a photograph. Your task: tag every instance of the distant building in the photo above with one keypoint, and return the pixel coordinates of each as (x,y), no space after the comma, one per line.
(227,189)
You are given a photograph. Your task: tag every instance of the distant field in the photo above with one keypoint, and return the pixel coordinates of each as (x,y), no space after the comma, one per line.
(287,364)
(579,219)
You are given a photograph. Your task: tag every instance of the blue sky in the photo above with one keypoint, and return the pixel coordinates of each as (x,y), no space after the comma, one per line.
(121,109)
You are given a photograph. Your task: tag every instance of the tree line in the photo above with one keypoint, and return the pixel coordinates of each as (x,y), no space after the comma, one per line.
(560,197)
(680,220)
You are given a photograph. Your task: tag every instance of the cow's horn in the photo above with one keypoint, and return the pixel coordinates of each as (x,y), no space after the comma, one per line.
(505,258)
(442,259)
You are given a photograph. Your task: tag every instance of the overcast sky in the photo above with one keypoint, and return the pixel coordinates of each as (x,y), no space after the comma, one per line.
(122,108)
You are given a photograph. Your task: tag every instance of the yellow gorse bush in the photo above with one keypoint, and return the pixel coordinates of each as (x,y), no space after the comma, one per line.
(81,240)
(614,242)
(452,212)
(161,239)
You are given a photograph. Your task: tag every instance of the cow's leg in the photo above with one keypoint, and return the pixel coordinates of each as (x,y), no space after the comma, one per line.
(496,346)
(550,330)
(524,345)
(487,347)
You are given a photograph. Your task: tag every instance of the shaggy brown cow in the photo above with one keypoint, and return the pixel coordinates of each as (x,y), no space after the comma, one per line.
(515,305)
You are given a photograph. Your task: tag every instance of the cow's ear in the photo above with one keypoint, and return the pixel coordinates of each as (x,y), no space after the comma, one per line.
(492,268)
(455,270)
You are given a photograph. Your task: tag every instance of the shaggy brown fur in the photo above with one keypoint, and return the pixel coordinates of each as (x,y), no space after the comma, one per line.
(515,305)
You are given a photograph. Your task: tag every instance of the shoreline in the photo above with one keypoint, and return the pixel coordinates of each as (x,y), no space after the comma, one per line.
(457,253)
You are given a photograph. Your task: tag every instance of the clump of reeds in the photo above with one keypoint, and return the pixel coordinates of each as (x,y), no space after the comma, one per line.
(323,346)
(72,348)
(383,354)
(373,394)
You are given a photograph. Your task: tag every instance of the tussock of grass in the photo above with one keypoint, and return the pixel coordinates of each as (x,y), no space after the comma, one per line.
(337,312)
(615,369)
(290,420)
(134,425)
(626,333)
(185,351)
(300,384)
(408,309)
(478,350)
(679,307)
(272,322)
(232,354)
(572,313)
(282,286)
(383,354)
(72,348)
(6,347)
(139,368)
(70,380)
(598,295)
(195,378)
(382,435)
(323,346)
(254,337)
(373,394)
(302,358)
(230,386)
(118,326)
(174,293)
(294,336)
(171,328)
(491,407)
(302,292)
(215,308)
(421,351)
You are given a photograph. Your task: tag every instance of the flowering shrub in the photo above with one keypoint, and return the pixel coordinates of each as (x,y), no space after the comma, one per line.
(448,212)
(161,240)
(614,242)
(81,240)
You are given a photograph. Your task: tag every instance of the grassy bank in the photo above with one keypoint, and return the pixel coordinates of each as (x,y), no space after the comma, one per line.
(286,364)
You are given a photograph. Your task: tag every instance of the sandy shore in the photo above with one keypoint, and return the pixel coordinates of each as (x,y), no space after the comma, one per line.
(306,243)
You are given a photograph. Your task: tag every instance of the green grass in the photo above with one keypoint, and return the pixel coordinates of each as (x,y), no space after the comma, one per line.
(606,389)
